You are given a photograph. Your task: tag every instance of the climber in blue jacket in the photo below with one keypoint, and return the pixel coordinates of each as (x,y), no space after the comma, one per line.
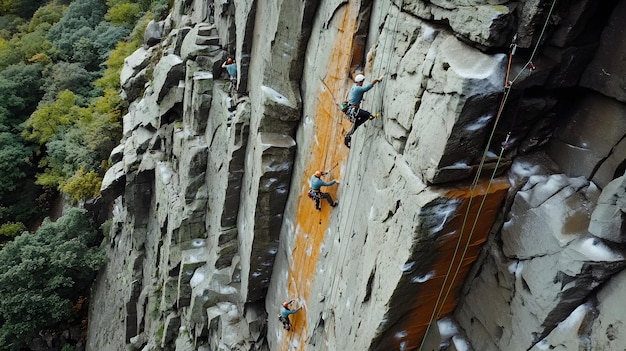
(357,115)
(285,311)
(231,67)
(315,192)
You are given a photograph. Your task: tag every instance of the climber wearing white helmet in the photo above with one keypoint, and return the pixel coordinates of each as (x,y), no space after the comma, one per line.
(357,115)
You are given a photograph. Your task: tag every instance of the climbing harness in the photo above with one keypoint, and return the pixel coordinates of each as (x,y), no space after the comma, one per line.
(286,322)
(316,196)
(507,89)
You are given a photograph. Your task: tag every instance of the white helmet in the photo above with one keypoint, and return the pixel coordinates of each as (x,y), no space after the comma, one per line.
(359,78)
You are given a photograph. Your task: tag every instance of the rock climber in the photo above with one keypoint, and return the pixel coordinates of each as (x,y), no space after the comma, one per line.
(316,194)
(231,67)
(357,115)
(285,311)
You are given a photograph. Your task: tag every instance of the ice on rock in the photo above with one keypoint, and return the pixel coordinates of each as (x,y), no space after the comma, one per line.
(595,250)
(276,96)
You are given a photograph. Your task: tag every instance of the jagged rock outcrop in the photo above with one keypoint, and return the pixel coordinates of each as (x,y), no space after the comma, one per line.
(482,211)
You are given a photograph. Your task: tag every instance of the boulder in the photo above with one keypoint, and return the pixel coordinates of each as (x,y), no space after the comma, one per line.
(607,219)
(153,33)
(168,73)
(579,147)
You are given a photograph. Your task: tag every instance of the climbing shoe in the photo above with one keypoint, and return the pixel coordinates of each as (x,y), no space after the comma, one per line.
(375,115)
(347,140)
(335,204)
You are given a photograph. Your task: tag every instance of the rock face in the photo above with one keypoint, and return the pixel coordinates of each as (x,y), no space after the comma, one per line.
(483,211)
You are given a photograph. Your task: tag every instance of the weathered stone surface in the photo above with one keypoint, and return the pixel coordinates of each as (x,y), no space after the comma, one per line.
(567,335)
(193,45)
(201,94)
(486,23)
(113,182)
(579,147)
(274,160)
(153,33)
(460,99)
(607,73)
(214,213)
(539,224)
(607,219)
(547,227)
(607,330)
(133,74)
(168,72)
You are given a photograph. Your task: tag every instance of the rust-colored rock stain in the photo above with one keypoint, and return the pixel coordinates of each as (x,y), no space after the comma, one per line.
(327,153)
(413,326)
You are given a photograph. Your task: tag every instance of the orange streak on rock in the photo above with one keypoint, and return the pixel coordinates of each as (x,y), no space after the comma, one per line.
(416,321)
(327,153)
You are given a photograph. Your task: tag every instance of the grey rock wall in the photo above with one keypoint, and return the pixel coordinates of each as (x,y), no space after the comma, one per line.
(212,229)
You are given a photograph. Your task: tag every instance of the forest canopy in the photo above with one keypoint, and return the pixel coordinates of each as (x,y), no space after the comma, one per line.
(60,117)
(60,109)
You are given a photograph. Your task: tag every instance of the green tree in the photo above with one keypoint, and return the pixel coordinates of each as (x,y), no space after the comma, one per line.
(14,161)
(49,14)
(78,21)
(21,8)
(122,12)
(68,76)
(25,91)
(35,42)
(17,189)
(11,229)
(82,185)
(44,124)
(42,274)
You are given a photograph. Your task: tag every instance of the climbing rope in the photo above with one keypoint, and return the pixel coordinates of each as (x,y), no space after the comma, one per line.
(508,84)
(349,219)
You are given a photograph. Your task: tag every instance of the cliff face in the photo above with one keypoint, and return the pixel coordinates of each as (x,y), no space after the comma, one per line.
(483,209)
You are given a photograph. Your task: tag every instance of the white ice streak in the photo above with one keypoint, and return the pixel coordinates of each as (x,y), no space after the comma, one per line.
(480,123)
(595,250)
(276,96)
(460,343)
(401,334)
(568,326)
(197,278)
(408,266)
(447,328)
(513,267)
(165,173)
(458,165)
(429,33)
(445,211)
(422,278)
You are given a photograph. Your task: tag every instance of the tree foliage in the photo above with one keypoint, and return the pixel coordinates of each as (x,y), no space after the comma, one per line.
(49,14)
(82,185)
(68,76)
(11,229)
(122,12)
(42,274)
(78,21)
(24,91)
(44,124)
(14,160)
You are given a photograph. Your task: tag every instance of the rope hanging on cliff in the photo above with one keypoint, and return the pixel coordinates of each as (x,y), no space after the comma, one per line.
(508,84)
(351,213)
